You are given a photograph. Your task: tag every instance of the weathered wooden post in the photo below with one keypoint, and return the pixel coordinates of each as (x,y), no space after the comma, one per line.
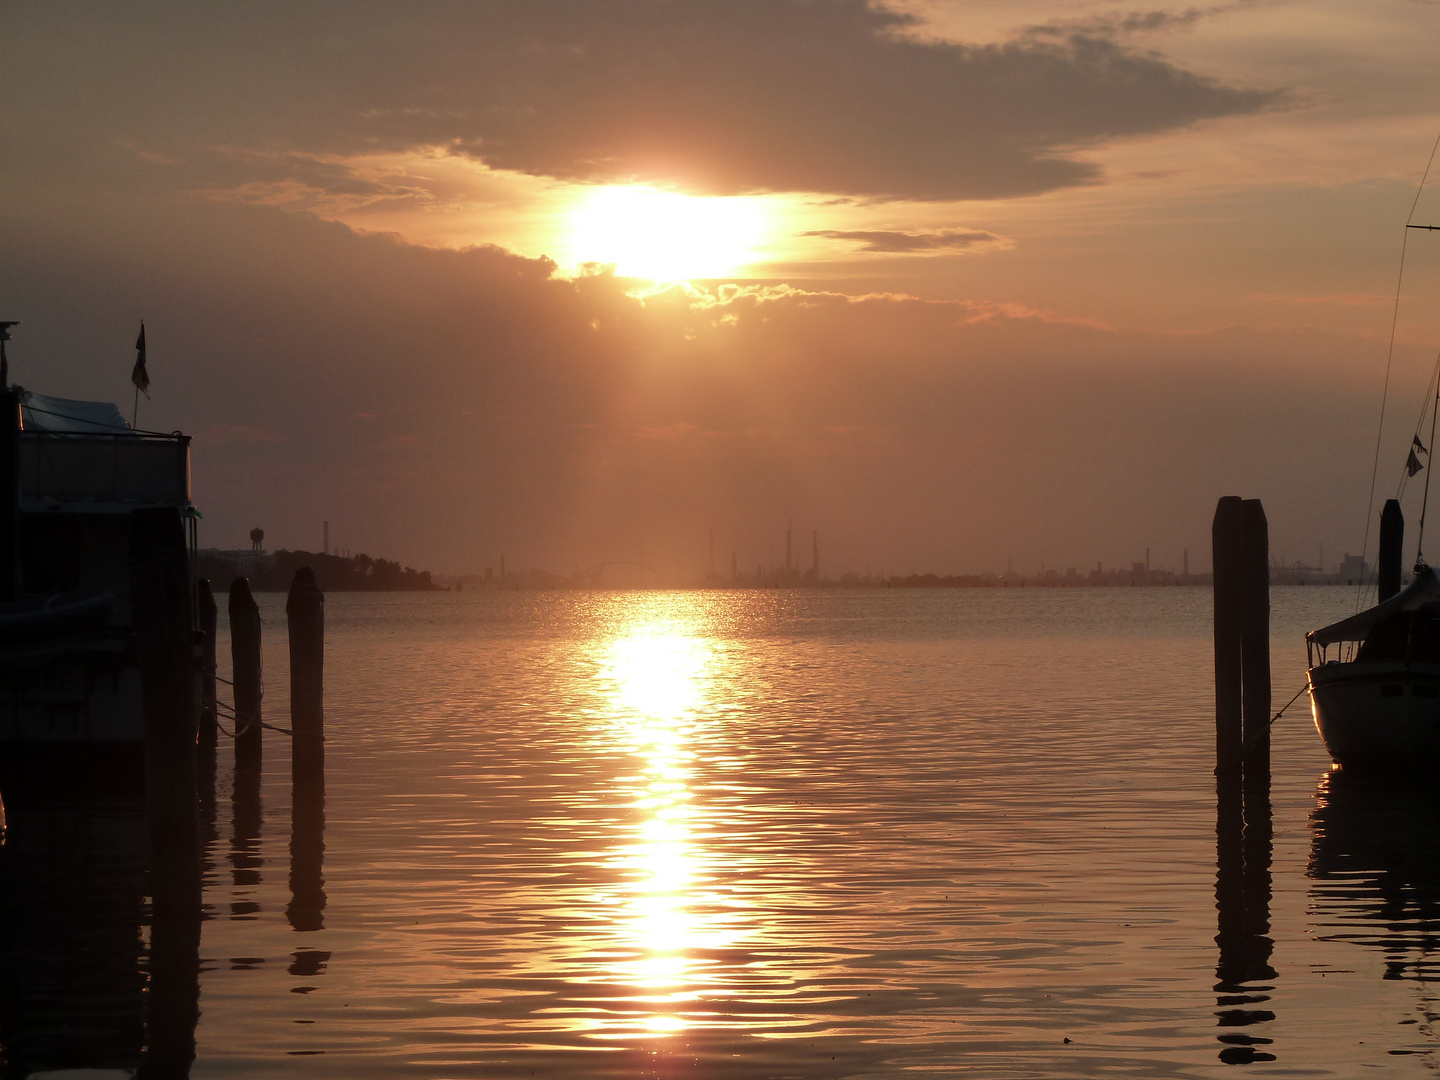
(164,637)
(1392,547)
(9,489)
(209,623)
(1242,726)
(205,749)
(305,615)
(1255,642)
(1227,538)
(245,659)
(160,604)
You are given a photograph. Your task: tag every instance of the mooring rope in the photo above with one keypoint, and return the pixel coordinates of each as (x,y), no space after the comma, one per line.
(230,711)
(1254,740)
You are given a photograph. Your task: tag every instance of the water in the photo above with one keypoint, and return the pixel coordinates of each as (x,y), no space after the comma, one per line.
(760,834)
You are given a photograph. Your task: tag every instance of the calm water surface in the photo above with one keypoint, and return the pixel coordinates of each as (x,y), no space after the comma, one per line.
(759,834)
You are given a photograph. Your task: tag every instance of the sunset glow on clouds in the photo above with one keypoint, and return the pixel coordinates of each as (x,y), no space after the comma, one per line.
(962,269)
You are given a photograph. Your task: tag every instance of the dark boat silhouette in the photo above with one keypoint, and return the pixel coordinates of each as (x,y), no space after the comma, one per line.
(69,681)
(1381,708)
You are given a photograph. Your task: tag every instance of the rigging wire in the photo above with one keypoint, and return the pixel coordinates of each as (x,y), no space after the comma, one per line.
(1431,390)
(1425,503)
(1389,361)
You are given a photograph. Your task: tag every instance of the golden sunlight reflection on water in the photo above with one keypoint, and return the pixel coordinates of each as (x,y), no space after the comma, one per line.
(715,836)
(655,676)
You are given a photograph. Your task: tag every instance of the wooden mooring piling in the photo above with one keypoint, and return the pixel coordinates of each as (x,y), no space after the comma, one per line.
(1243,826)
(1392,545)
(305,618)
(245,660)
(209,619)
(1241,538)
(164,645)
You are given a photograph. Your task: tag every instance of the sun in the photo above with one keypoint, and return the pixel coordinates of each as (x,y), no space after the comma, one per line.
(663,235)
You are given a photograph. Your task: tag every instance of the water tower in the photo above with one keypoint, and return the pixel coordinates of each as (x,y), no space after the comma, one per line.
(257,537)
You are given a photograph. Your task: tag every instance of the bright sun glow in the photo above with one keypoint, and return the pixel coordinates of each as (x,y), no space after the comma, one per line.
(664,236)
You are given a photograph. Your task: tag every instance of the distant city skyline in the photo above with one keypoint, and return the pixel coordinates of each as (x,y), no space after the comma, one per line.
(1184,563)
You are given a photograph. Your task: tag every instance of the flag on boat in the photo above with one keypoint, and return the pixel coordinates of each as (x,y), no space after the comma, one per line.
(141,378)
(1412,464)
(1415,442)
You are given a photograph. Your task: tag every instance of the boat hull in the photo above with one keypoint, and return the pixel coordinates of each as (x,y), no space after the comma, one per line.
(1382,715)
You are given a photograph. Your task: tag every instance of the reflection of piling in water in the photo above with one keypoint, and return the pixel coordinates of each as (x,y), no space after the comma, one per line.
(305,616)
(209,811)
(72,984)
(245,660)
(306,910)
(1242,776)
(173,1001)
(245,859)
(1242,897)
(160,592)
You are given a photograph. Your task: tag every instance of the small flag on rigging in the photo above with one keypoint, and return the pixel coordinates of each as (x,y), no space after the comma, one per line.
(1415,442)
(1412,464)
(139,376)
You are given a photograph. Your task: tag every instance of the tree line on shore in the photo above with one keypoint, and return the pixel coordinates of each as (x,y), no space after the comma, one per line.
(274,571)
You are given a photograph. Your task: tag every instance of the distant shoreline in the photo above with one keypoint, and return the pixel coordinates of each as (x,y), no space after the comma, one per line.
(274,571)
(554,583)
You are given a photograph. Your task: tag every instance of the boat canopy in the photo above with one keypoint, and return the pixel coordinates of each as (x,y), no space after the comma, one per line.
(1425,589)
(40,412)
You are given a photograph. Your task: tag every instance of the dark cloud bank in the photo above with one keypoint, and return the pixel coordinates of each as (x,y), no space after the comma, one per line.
(749,95)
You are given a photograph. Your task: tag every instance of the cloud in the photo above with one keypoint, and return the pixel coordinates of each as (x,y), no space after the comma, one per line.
(566,421)
(943,240)
(1336,299)
(825,96)
(1121,24)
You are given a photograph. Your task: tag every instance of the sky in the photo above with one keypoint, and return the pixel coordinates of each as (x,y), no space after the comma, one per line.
(954,284)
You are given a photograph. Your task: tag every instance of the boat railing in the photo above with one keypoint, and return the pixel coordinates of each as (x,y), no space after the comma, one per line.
(1317,654)
(59,469)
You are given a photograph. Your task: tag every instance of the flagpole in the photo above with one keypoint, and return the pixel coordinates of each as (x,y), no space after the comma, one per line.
(135,412)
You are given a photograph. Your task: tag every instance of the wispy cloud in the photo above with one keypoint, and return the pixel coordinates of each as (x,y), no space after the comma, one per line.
(941,241)
(1333,299)
(1124,23)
